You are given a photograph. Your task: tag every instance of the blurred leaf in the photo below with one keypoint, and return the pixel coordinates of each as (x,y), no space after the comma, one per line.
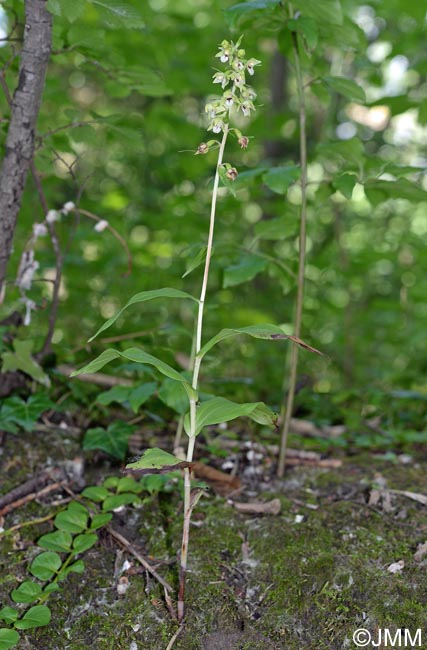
(95,493)
(115,501)
(278,179)
(242,10)
(22,360)
(24,414)
(113,441)
(70,9)
(345,184)
(195,261)
(328,12)
(346,87)
(173,395)
(307,28)
(378,191)
(246,269)
(118,14)
(276,229)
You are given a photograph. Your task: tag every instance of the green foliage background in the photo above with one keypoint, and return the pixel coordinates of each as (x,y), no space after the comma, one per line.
(121,119)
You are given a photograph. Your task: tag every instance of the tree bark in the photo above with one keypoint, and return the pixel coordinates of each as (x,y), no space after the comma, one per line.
(25,107)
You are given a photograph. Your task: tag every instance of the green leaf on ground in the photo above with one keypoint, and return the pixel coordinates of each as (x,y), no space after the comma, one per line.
(37,616)
(113,440)
(8,638)
(27,592)
(59,541)
(21,359)
(45,565)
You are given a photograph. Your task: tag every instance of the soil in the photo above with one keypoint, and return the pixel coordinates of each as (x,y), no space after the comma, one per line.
(308,577)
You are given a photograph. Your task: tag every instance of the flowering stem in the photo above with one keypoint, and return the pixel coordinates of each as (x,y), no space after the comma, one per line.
(195,381)
(286,412)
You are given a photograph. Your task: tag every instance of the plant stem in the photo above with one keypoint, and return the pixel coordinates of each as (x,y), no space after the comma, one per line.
(195,382)
(286,412)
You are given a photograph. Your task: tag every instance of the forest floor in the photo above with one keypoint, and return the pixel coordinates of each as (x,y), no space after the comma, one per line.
(346,551)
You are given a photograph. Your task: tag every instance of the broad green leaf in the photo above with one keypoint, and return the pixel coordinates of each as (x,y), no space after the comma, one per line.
(276,229)
(8,638)
(96,493)
(76,567)
(219,409)
(348,151)
(307,28)
(118,14)
(246,269)
(27,592)
(37,616)
(59,541)
(128,484)
(267,331)
(173,395)
(45,565)
(156,461)
(346,87)
(278,179)
(72,521)
(115,501)
(113,441)
(345,184)
(378,191)
(249,9)
(143,296)
(25,413)
(100,520)
(21,359)
(8,614)
(51,587)
(140,395)
(137,355)
(70,9)
(84,542)
(328,12)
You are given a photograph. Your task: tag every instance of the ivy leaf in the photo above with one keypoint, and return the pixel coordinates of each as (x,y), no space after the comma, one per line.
(25,414)
(346,87)
(37,616)
(143,296)
(21,359)
(8,638)
(113,440)
(45,565)
(219,409)
(156,461)
(278,179)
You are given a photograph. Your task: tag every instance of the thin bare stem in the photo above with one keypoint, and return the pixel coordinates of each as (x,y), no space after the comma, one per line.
(286,412)
(195,381)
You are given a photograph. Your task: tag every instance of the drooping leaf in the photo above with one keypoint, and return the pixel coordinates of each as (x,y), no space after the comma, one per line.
(8,638)
(278,179)
(244,270)
(113,440)
(156,461)
(27,592)
(139,356)
(143,296)
(21,359)
(37,616)
(219,409)
(45,565)
(346,87)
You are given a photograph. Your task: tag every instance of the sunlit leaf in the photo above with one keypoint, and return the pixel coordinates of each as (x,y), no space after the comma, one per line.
(156,461)
(346,87)
(113,440)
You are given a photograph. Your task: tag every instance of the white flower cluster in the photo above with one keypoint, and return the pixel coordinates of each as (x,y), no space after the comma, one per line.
(28,264)
(237,93)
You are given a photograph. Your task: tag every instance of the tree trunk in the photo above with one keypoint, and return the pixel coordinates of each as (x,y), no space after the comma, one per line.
(25,107)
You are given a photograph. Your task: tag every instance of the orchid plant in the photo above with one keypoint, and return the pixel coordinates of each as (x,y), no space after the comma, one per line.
(237,97)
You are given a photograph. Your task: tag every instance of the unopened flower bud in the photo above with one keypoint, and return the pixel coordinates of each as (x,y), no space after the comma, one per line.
(232,174)
(243,141)
(39,230)
(101,225)
(68,207)
(52,216)
(202,148)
